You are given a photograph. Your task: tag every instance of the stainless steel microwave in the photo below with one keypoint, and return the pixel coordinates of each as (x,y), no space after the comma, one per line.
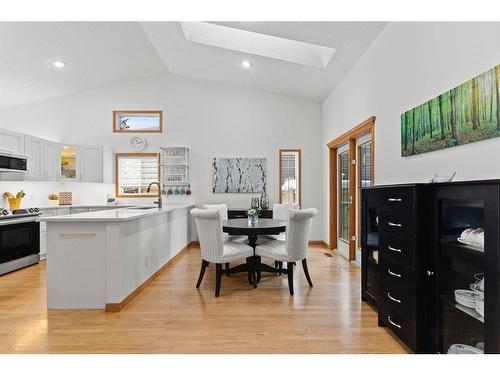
(12,163)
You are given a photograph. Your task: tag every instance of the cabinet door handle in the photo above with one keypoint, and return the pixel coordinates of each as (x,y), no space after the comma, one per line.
(392,273)
(395,200)
(394,224)
(394,249)
(394,324)
(392,298)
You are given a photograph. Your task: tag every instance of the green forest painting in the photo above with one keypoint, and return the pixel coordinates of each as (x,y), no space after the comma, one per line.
(468,113)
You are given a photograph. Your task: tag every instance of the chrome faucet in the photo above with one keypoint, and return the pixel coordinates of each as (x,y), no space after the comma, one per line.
(159,192)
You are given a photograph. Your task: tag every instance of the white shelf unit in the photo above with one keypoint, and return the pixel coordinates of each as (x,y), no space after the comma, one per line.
(174,167)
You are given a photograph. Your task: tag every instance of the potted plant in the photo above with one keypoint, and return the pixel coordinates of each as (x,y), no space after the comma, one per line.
(53,199)
(14,201)
(252,216)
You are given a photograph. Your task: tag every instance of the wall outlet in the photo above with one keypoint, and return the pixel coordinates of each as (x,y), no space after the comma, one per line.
(146,260)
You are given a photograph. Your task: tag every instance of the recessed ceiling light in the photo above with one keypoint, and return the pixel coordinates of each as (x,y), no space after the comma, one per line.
(245,64)
(59,64)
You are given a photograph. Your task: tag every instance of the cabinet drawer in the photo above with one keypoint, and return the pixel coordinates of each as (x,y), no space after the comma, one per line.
(397,278)
(396,200)
(398,250)
(398,325)
(396,223)
(398,300)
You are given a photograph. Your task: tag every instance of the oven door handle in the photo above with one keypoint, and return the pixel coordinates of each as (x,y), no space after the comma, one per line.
(30,219)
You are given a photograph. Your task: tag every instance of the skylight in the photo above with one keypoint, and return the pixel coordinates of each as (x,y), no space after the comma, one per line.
(258,44)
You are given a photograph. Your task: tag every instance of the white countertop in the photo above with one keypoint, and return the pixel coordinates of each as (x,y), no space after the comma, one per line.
(119,214)
(115,205)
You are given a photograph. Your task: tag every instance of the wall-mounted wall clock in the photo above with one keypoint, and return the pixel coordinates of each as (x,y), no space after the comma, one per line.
(138,143)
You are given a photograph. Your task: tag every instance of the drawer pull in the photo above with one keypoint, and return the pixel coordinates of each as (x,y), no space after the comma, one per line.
(393,299)
(392,273)
(394,224)
(395,200)
(394,249)
(394,324)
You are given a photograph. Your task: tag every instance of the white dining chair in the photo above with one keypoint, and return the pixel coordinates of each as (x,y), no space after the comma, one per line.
(222,208)
(294,248)
(213,247)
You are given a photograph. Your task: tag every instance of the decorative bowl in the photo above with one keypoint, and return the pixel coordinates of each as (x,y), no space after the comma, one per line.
(466,298)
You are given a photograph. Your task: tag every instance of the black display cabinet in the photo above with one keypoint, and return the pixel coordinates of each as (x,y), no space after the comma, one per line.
(425,255)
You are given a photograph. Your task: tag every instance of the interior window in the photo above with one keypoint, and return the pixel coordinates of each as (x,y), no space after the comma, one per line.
(290,176)
(134,172)
(344,195)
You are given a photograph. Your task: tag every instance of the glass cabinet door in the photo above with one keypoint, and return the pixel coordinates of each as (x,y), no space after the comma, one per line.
(467,241)
(69,163)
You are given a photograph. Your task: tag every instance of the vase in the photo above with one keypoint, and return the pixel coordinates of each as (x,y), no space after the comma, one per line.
(252,219)
(264,201)
(254,203)
(14,203)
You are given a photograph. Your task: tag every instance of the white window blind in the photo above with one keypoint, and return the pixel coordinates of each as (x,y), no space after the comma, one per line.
(290,175)
(135,173)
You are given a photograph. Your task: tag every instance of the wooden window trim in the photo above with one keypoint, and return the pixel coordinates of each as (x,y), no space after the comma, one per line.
(358,235)
(117,181)
(299,151)
(339,194)
(160,113)
(365,127)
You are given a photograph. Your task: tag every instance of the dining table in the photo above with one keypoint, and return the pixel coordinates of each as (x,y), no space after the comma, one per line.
(262,227)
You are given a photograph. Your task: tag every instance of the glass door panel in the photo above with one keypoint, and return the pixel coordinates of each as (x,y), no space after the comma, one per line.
(462,267)
(344,199)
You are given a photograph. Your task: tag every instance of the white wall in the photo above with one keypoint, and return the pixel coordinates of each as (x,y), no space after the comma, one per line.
(214,120)
(408,64)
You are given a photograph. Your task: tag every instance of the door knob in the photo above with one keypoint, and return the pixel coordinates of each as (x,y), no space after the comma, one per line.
(430,273)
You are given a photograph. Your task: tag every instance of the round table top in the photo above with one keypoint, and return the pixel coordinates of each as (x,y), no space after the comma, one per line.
(262,226)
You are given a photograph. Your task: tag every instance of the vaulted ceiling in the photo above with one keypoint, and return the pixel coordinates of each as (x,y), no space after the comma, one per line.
(103,53)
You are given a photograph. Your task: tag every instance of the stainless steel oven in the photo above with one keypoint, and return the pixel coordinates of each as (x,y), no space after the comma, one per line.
(19,241)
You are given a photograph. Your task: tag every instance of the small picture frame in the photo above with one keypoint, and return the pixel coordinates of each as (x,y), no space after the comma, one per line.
(137,121)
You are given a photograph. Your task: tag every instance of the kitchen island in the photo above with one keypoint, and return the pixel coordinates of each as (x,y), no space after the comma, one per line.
(99,260)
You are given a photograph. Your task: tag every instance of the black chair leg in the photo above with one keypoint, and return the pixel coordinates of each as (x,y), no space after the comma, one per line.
(250,270)
(289,267)
(227,269)
(257,268)
(276,265)
(204,265)
(306,272)
(280,268)
(218,276)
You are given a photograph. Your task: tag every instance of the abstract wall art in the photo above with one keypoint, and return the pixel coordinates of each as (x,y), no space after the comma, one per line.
(239,175)
(465,114)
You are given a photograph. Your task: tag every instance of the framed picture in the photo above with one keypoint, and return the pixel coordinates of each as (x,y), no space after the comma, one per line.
(239,175)
(467,113)
(137,121)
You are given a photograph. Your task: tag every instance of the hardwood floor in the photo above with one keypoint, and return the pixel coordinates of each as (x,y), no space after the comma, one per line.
(172,316)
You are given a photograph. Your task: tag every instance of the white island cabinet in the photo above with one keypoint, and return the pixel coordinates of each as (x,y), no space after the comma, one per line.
(95,260)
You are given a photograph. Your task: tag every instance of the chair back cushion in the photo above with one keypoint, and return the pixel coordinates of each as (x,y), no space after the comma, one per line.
(222,208)
(209,228)
(298,232)
(280,210)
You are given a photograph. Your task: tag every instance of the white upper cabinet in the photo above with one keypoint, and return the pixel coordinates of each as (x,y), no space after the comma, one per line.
(11,142)
(33,151)
(91,163)
(50,161)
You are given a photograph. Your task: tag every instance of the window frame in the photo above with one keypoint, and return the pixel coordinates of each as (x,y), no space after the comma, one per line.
(299,152)
(138,112)
(359,187)
(339,194)
(117,173)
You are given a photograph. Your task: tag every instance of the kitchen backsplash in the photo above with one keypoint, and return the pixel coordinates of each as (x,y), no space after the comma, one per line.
(37,192)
